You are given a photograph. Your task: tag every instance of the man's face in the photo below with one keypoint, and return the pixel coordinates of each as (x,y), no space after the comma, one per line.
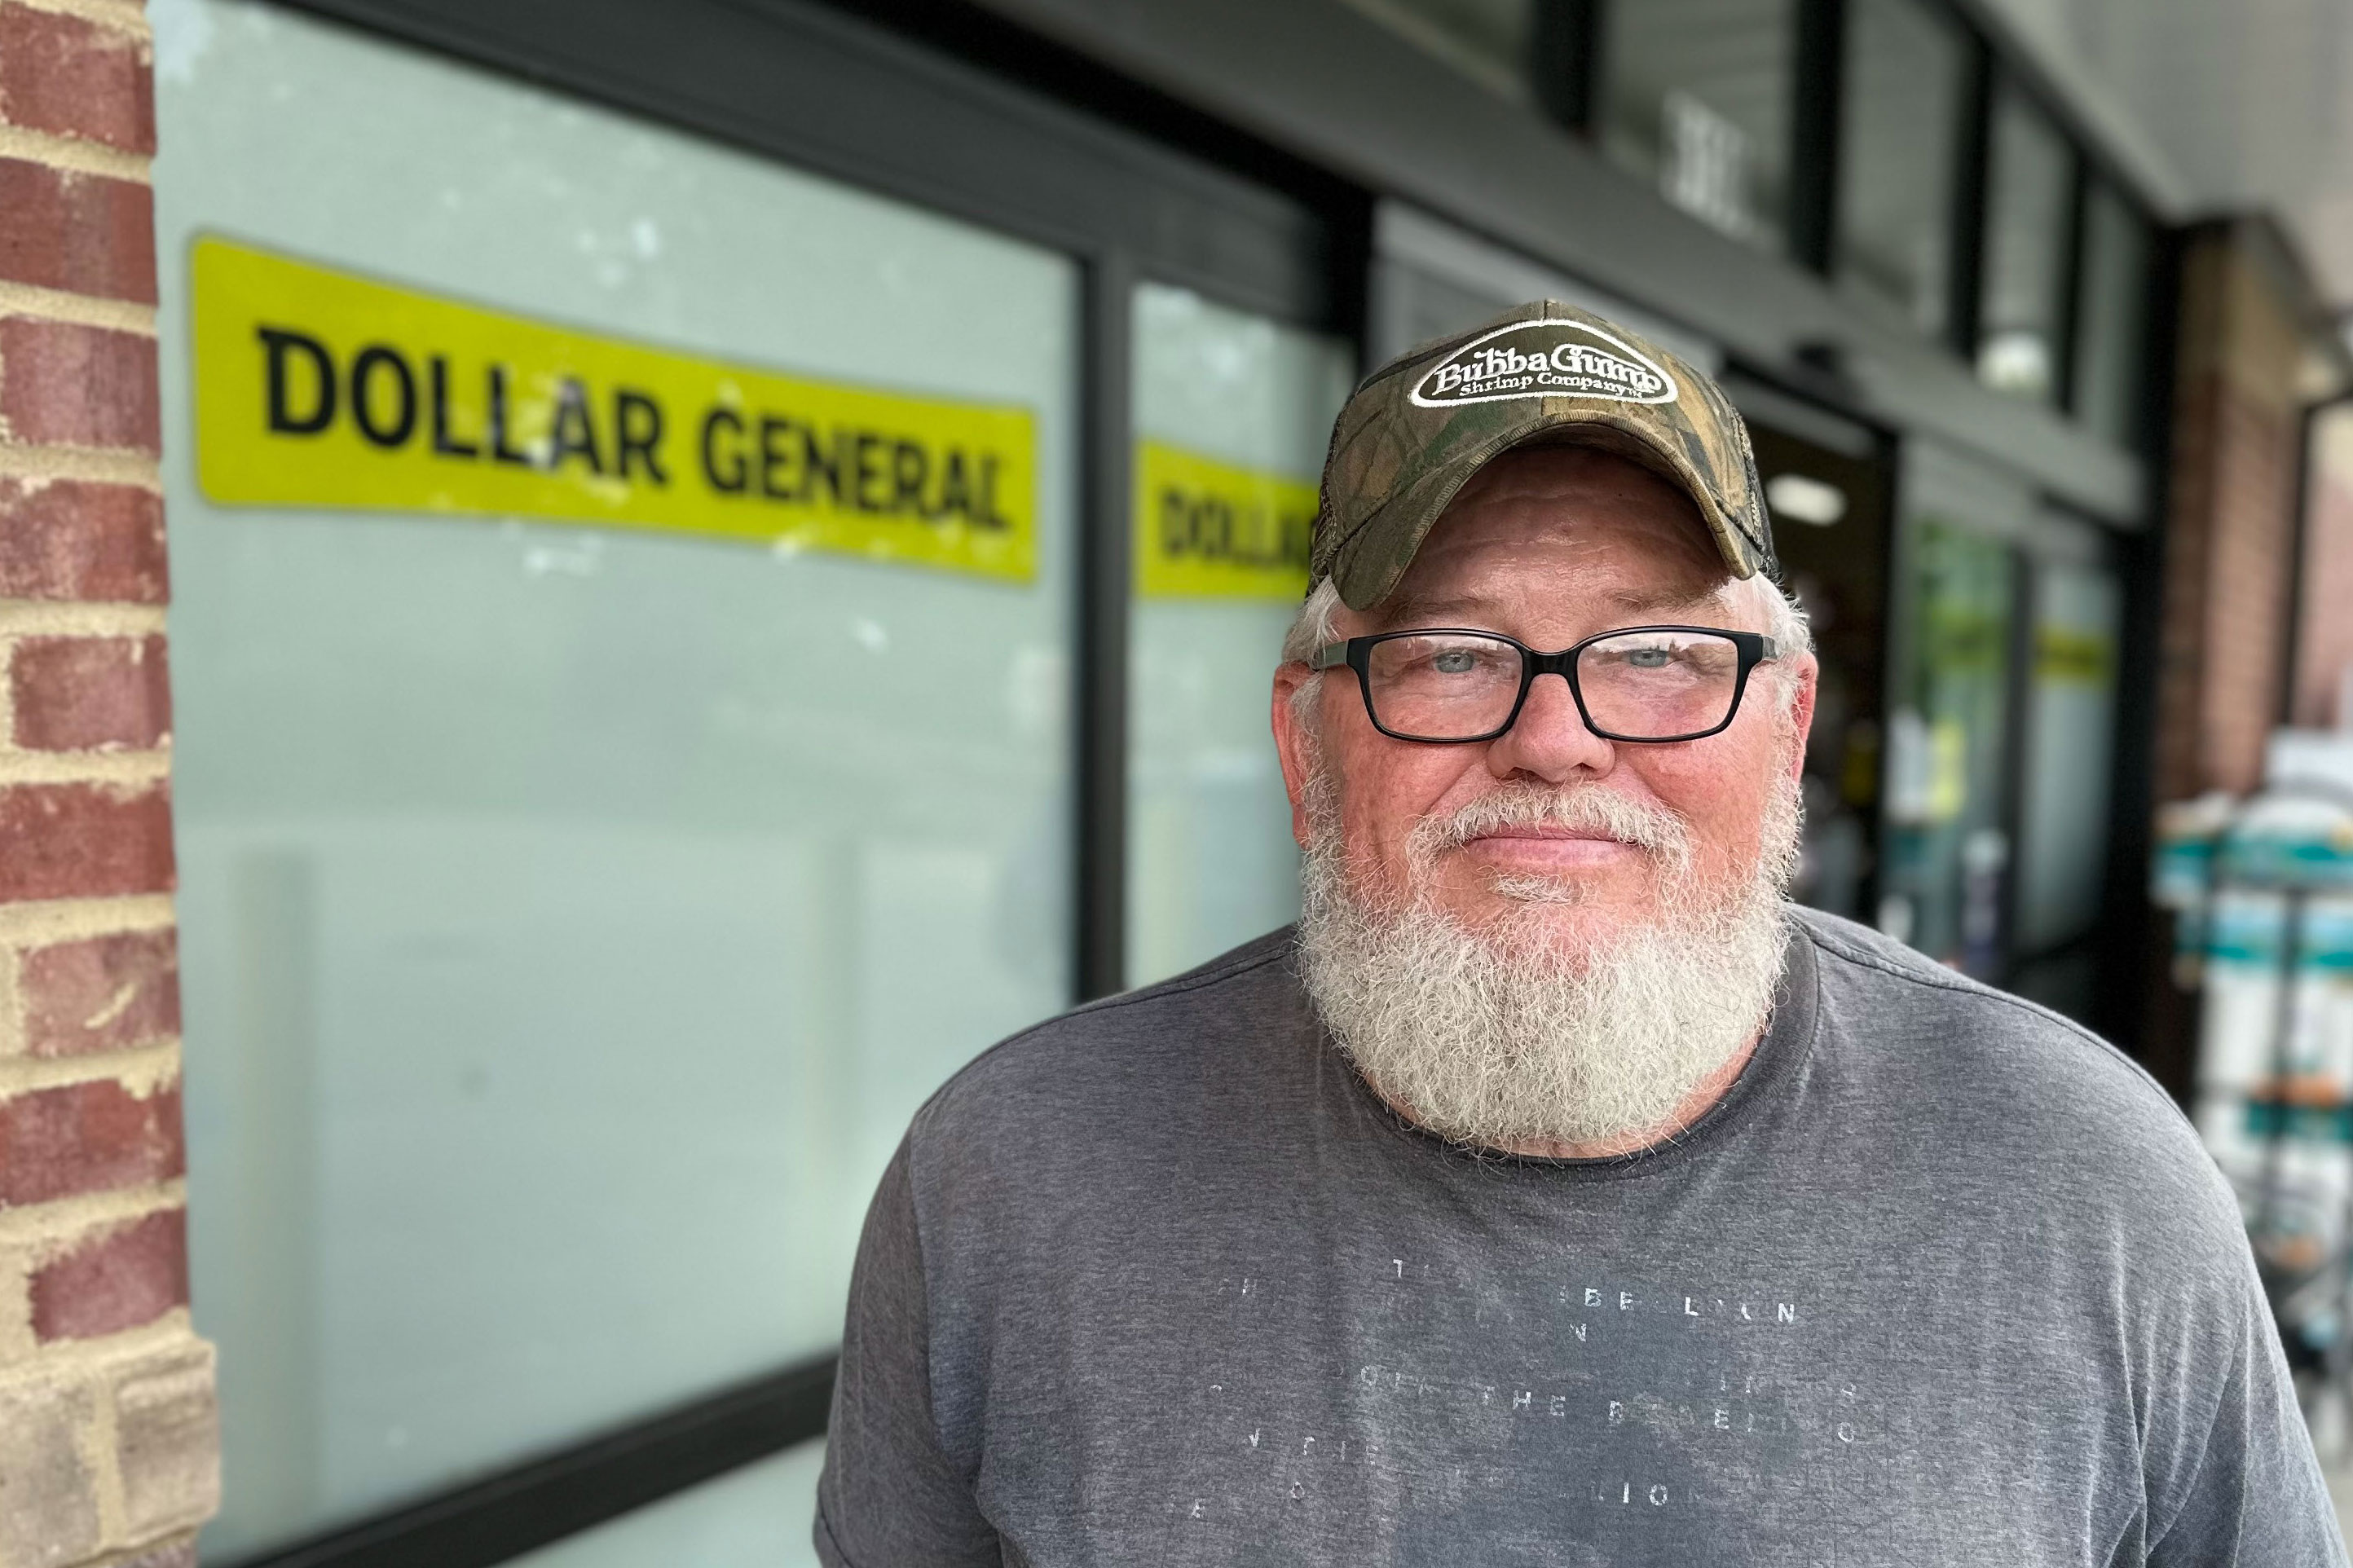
(1549,545)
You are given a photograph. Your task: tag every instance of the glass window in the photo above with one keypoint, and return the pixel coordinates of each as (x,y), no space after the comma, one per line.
(1695,95)
(1430,279)
(1899,132)
(2030,191)
(573,917)
(2112,315)
(2078,609)
(1233,413)
(1949,854)
(1490,39)
(1945,800)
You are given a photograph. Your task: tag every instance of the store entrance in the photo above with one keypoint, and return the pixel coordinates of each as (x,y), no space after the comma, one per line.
(2000,771)
(1831,525)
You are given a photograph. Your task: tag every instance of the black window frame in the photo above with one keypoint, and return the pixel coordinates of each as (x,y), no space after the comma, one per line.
(981,122)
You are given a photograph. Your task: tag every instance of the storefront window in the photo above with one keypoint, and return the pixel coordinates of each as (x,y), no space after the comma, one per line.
(1945,804)
(574,915)
(1950,855)
(1431,280)
(2111,320)
(1896,159)
(2078,608)
(2026,241)
(1696,97)
(1233,415)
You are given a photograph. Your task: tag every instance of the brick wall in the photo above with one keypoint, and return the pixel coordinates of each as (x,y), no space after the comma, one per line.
(2324,674)
(108,1445)
(2229,527)
(2243,363)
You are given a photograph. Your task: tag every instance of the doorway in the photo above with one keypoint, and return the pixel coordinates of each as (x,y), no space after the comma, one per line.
(1831,511)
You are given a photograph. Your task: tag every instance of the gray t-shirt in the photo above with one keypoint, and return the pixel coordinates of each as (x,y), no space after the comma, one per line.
(1943,1280)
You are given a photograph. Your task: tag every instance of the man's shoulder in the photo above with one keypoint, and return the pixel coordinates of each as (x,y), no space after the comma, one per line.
(1992,1076)
(1894,998)
(1084,1070)
(1905,995)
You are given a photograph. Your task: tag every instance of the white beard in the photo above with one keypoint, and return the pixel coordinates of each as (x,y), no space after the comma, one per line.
(1498,1040)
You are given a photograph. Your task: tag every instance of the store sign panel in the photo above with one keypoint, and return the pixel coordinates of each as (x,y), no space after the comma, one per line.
(1209,530)
(2071,655)
(316,387)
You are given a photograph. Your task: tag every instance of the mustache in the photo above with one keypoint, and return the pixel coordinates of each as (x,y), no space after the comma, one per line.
(1579,808)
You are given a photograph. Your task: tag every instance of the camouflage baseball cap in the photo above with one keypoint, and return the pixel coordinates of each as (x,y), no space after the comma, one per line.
(1419,426)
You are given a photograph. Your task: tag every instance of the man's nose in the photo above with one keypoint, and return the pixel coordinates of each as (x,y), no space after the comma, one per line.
(1550,739)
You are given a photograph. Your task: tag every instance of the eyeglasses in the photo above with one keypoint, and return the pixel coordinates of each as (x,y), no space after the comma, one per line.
(1447,687)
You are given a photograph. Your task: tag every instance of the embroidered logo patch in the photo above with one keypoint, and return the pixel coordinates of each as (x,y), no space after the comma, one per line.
(1545,359)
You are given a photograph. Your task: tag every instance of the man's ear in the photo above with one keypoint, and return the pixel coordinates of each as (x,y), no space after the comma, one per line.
(1293,744)
(1807,672)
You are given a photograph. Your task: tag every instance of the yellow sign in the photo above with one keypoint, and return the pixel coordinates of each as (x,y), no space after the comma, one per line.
(2071,655)
(318,388)
(1948,769)
(1209,530)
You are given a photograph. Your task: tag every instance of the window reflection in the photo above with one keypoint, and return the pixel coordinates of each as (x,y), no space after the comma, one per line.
(1948,755)
(1902,97)
(1696,96)
(2070,725)
(1232,415)
(2027,228)
(2111,317)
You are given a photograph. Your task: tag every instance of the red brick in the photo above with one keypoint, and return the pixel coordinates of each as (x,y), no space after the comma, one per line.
(105,994)
(84,233)
(68,841)
(75,540)
(131,1274)
(83,386)
(70,76)
(81,694)
(87,1138)
(2325,632)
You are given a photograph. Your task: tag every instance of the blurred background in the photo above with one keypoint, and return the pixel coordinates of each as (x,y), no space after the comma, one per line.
(571,916)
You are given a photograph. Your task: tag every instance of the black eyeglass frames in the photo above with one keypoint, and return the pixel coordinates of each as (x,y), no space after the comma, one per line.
(1448,686)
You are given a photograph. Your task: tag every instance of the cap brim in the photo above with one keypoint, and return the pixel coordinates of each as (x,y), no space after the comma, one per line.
(1369,563)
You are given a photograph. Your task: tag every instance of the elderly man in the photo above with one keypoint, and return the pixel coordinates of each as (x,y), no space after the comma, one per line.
(1555,1193)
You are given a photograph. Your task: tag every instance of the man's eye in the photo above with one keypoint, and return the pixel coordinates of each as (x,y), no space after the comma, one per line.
(1455,661)
(1649,657)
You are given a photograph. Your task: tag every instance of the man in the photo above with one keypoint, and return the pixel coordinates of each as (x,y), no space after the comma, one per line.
(1555,1193)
